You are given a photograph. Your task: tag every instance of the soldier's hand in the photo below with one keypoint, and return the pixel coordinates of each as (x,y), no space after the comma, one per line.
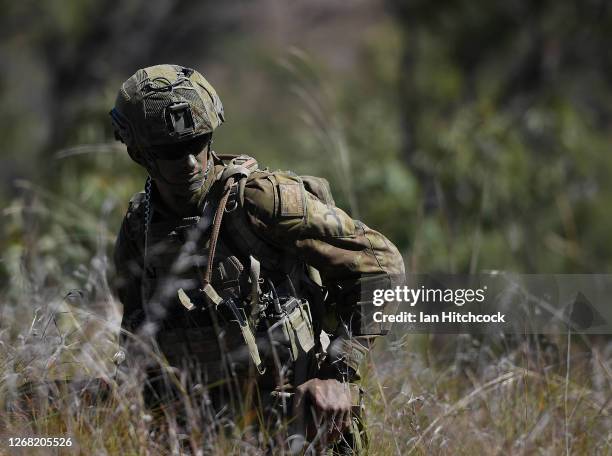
(331,400)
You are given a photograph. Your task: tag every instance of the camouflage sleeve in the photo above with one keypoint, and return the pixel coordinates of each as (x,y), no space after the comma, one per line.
(352,258)
(128,267)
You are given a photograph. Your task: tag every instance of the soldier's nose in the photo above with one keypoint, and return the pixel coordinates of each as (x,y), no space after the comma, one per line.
(192,162)
(188,165)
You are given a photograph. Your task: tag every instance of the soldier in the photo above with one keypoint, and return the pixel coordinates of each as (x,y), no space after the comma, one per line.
(247,276)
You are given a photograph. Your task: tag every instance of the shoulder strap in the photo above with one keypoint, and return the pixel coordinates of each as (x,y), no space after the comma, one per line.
(233,180)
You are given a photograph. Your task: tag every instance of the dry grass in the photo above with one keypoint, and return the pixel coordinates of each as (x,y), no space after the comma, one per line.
(512,403)
(422,398)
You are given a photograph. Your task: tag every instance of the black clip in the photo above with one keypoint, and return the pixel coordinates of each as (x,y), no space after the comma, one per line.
(179,118)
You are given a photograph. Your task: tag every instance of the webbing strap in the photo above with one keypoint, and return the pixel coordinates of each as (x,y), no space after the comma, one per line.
(216,229)
(240,168)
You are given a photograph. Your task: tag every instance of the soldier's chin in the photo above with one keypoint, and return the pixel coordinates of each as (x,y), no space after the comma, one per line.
(184,190)
(190,182)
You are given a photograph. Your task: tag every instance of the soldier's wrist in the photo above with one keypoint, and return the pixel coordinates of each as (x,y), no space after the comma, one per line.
(337,370)
(345,355)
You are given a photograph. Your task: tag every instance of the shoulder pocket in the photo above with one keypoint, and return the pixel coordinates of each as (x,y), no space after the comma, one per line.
(291,196)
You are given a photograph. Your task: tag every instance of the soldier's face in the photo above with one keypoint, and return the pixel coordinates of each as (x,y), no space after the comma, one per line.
(185,171)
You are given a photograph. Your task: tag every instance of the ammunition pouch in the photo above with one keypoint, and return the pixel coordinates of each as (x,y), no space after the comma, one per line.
(293,327)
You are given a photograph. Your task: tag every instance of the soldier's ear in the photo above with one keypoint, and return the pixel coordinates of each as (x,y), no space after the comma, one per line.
(208,146)
(202,144)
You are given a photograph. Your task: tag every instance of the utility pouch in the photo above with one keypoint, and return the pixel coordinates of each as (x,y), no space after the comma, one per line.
(293,327)
(238,315)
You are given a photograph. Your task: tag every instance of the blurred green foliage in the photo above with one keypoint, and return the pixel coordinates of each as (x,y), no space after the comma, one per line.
(506,116)
(474,135)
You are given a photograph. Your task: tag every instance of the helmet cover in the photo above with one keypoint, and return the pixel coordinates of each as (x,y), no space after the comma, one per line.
(163,105)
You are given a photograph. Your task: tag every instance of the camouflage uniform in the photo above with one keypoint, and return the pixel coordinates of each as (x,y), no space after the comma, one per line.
(300,242)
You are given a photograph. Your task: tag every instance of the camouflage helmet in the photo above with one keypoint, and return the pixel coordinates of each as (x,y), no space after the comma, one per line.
(163,105)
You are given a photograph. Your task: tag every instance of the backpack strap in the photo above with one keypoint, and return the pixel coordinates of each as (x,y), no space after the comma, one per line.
(235,172)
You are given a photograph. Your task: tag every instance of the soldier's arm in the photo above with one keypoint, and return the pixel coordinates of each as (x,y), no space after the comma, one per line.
(352,258)
(128,267)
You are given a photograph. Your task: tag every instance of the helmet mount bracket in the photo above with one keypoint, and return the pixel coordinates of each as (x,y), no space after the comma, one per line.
(179,119)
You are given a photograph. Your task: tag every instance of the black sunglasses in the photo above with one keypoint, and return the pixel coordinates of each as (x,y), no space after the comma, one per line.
(179,150)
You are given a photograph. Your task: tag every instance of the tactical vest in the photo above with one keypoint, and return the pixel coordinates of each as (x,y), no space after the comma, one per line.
(192,313)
